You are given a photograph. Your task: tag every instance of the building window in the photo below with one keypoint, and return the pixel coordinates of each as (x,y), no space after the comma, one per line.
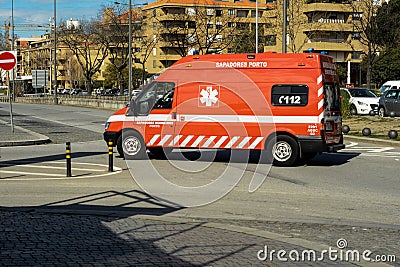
(356,55)
(242,13)
(210,11)
(231,24)
(242,26)
(218,25)
(253,14)
(154,51)
(137,60)
(356,35)
(154,63)
(154,13)
(154,26)
(218,12)
(191,24)
(191,11)
(356,16)
(231,12)
(210,25)
(270,40)
(231,51)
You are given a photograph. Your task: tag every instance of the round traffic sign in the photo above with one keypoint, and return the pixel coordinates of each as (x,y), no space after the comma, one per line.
(7,60)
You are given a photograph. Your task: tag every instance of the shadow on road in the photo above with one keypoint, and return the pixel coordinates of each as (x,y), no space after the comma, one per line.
(77,232)
(332,159)
(43,159)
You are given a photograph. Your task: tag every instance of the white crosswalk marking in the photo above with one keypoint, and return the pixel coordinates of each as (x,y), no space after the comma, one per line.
(372,151)
(51,170)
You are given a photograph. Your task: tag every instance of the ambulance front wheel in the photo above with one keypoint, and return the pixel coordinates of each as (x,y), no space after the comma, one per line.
(283,150)
(133,146)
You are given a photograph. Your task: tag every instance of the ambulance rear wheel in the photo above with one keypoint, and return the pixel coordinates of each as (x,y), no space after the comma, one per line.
(133,145)
(283,150)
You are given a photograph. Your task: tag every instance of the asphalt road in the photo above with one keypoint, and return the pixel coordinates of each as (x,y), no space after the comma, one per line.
(353,193)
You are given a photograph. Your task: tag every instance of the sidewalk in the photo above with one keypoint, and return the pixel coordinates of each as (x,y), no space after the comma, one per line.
(37,238)
(20,136)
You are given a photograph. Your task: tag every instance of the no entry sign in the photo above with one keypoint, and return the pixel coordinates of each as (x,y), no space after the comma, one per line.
(7,60)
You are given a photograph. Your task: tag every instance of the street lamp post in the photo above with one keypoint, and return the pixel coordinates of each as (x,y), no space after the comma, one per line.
(284,25)
(55,54)
(11,85)
(256,26)
(130,46)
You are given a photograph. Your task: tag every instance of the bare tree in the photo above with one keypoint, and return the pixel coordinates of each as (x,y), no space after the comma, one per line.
(116,29)
(88,45)
(367,30)
(203,28)
(143,49)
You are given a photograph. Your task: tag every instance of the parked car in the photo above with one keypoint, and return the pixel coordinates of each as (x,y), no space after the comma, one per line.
(389,102)
(111,91)
(362,101)
(76,91)
(66,91)
(389,85)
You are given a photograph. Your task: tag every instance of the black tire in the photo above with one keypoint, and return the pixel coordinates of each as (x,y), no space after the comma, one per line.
(133,145)
(160,152)
(119,146)
(283,150)
(353,110)
(381,112)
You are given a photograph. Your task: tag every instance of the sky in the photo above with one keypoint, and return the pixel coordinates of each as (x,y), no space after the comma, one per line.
(41,11)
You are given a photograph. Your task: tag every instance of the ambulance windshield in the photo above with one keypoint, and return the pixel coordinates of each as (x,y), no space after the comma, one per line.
(150,95)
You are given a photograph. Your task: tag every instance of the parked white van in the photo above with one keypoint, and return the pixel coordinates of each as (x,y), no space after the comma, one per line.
(389,85)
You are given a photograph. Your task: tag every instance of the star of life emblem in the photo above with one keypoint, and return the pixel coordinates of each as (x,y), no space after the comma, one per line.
(208,95)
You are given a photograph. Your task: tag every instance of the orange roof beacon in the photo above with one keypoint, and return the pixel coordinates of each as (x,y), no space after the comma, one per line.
(285,105)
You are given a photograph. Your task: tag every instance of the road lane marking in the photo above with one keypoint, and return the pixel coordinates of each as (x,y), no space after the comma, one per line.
(100,171)
(52,167)
(31,173)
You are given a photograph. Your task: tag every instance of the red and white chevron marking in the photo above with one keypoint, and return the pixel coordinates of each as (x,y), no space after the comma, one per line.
(202,141)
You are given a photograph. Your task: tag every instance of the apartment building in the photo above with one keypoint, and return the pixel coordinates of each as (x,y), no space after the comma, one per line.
(321,25)
(184,27)
(166,30)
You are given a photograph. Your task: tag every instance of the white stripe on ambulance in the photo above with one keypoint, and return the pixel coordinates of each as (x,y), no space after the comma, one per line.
(219,118)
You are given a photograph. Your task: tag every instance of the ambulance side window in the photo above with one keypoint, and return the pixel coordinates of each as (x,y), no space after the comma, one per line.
(289,95)
(165,102)
(151,96)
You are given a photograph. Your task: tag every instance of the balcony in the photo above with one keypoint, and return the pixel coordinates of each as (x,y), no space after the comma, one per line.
(323,7)
(332,25)
(328,45)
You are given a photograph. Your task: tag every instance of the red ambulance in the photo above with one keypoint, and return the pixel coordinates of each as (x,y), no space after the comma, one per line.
(285,105)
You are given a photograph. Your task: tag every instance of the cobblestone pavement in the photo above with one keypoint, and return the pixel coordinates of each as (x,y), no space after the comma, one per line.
(48,239)
(383,240)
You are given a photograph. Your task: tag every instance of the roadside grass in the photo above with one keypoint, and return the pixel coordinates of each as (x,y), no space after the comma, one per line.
(380,127)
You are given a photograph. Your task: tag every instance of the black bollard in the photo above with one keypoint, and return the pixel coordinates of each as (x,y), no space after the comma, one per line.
(68,157)
(110,156)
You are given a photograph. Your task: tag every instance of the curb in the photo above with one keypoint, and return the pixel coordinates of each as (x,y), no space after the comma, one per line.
(40,138)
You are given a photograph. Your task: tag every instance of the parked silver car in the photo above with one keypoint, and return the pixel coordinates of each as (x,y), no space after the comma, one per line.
(389,102)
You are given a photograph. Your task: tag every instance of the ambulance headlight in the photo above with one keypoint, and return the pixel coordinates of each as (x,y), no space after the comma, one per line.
(107,125)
